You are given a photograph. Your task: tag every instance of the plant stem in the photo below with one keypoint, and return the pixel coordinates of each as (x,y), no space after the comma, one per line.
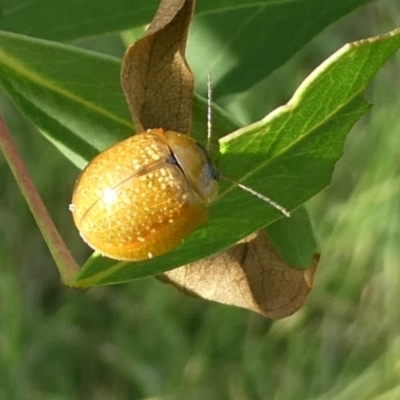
(66,264)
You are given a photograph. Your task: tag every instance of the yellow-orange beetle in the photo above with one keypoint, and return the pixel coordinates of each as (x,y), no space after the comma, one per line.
(141,197)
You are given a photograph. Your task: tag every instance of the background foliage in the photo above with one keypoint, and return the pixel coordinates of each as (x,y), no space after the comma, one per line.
(144,340)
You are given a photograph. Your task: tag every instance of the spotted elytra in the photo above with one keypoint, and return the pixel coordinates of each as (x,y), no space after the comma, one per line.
(141,197)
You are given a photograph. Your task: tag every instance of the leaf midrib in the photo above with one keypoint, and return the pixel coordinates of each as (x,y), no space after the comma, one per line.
(18,68)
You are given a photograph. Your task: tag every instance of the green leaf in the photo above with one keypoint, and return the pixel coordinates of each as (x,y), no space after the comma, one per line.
(290,155)
(243,42)
(293,239)
(62,20)
(224,30)
(75,97)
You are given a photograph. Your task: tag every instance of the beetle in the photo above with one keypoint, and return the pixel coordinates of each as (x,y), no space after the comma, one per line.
(141,197)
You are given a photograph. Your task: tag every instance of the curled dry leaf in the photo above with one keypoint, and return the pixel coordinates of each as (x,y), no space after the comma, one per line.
(250,275)
(155,77)
(158,85)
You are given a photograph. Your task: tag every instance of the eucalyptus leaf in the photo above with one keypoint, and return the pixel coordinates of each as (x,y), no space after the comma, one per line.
(291,154)
(72,95)
(241,42)
(293,238)
(75,97)
(68,20)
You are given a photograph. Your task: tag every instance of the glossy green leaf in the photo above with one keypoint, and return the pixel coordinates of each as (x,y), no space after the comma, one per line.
(243,42)
(293,238)
(74,97)
(290,155)
(62,20)
(247,40)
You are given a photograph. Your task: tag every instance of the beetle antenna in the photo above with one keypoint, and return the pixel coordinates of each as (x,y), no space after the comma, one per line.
(266,199)
(209,111)
(271,202)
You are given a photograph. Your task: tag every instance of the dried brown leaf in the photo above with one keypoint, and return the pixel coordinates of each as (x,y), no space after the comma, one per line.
(250,275)
(158,85)
(155,77)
